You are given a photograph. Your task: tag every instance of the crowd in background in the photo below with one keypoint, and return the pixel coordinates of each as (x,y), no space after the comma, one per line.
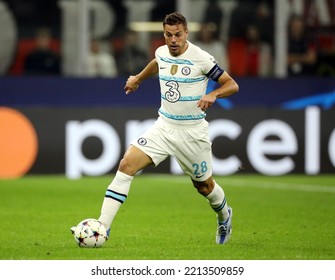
(248,49)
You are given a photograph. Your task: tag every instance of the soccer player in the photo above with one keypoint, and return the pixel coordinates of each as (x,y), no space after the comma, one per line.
(181,130)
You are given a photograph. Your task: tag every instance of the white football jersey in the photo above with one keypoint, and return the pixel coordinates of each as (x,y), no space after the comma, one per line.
(183,81)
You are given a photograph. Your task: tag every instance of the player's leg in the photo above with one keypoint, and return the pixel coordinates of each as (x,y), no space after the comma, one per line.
(148,149)
(215,196)
(194,156)
(217,200)
(133,161)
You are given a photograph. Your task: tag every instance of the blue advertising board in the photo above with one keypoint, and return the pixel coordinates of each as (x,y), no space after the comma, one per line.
(281,93)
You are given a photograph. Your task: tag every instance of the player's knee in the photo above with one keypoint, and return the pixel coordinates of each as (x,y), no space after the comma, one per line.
(203,190)
(126,167)
(205,187)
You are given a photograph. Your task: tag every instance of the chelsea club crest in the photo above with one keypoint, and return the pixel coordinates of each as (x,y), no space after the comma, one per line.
(186,70)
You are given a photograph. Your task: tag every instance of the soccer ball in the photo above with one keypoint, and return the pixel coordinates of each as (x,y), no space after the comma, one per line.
(90,233)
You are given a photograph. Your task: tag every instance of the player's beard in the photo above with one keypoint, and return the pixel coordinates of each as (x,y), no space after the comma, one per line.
(176,50)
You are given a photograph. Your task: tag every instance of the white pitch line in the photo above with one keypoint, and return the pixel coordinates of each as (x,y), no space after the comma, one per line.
(280,186)
(257,184)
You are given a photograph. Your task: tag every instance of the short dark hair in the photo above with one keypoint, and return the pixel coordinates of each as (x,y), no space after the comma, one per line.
(175,19)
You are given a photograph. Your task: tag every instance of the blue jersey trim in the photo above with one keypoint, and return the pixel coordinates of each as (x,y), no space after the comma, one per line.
(176,61)
(185,98)
(181,80)
(182,117)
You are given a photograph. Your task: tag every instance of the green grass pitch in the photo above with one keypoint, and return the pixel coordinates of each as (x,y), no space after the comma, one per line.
(164,218)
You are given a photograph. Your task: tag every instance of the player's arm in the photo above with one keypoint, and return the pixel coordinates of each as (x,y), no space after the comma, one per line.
(133,82)
(227,88)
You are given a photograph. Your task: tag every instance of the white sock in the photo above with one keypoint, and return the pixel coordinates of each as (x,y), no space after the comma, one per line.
(217,201)
(116,194)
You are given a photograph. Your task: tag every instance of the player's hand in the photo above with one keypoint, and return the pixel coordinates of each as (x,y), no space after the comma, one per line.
(132,84)
(206,102)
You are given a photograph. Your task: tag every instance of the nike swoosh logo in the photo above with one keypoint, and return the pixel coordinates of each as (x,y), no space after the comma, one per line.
(162,67)
(197,176)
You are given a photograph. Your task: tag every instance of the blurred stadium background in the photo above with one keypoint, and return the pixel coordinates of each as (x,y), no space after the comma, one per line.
(61,114)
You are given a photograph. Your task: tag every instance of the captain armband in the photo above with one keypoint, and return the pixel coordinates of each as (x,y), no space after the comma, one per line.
(215,73)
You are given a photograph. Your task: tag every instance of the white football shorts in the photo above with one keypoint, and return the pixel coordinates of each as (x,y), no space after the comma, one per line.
(188,144)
